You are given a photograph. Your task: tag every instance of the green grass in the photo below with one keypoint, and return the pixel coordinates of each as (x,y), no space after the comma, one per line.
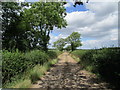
(23,84)
(31,76)
(76,58)
(26,68)
(79,53)
(103,62)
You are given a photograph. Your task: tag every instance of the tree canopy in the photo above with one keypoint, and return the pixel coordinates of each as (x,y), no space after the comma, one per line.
(59,44)
(43,17)
(29,28)
(74,40)
(10,21)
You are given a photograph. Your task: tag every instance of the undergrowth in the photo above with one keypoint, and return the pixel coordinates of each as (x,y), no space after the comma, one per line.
(20,70)
(103,62)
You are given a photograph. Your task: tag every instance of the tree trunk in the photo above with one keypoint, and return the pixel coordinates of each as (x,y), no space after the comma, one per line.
(45,47)
(72,46)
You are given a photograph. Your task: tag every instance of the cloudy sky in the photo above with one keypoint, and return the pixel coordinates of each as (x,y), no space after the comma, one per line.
(97,22)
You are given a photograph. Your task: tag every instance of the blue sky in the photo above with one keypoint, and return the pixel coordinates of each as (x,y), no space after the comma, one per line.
(77,8)
(97,26)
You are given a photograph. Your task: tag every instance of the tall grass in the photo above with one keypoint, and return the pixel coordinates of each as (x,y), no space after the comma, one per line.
(27,67)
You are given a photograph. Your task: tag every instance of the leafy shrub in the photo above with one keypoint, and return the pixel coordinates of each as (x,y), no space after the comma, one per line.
(36,57)
(85,56)
(52,54)
(107,63)
(104,62)
(15,63)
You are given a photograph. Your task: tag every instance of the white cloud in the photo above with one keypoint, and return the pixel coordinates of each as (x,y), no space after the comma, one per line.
(98,25)
(80,18)
(102,9)
(55,38)
(106,41)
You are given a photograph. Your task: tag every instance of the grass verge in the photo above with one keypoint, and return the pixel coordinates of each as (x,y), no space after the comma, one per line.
(31,76)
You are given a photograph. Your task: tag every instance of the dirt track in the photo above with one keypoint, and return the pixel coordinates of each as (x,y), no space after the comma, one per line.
(67,74)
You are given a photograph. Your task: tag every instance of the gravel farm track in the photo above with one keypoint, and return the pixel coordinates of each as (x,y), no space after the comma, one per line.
(68,75)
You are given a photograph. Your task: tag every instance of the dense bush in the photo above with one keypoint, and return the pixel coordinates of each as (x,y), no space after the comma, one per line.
(86,58)
(104,62)
(52,54)
(107,64)
(36,57)
(15,63)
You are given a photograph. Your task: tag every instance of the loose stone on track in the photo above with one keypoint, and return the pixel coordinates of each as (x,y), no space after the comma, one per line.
(67,74)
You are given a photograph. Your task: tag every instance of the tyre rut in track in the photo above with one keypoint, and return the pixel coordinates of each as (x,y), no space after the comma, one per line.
(67,74)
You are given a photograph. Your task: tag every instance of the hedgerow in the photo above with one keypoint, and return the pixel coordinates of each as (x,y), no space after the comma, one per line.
(15,63)
(103,62)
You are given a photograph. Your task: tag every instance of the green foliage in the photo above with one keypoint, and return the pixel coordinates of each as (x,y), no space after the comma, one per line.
(43,17)
(15,63)
(59,44)
(104,62)
(36,57)
(14,28)
(79,53)
(107,63)
(39,70)
(52,54)
(54,61)
(36,73)
(56,51)
(74,40)
(29,28)
(23,84)
(68,48)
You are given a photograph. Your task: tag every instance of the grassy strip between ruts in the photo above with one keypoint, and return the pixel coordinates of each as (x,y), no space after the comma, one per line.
(31,76)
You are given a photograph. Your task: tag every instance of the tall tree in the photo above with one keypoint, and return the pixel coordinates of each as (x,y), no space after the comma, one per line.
(43,17)
(74,40)
(59,44)
(13,27)
(9,21)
